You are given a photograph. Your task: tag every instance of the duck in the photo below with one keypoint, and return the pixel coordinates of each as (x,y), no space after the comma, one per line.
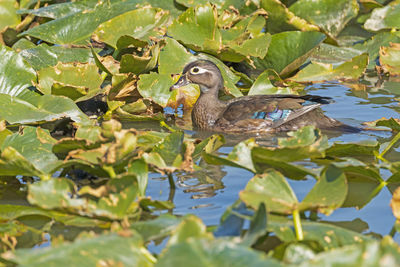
(251,114)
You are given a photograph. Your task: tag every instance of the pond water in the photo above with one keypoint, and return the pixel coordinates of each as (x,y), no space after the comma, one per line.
(208,193)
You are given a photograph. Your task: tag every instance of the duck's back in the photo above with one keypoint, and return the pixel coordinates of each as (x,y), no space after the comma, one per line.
(274,113)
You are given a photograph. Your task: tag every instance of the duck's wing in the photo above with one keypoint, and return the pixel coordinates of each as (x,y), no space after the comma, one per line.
(274,109)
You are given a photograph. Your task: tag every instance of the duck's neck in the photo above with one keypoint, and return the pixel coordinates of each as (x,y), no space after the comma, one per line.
(207,109)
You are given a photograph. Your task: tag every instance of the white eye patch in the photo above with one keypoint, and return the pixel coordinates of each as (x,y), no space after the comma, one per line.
(198,70)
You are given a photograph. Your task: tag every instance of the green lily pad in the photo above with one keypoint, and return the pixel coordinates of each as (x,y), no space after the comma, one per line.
(389,58)
(114,200)
(263,86)
(373,45)
(364,182)
(155,86)
(328,193)
(239,157)
(289,50)
(331,16)
(173,57)
(54,193)
(140,24)
(350,70)
(307,142)
(60,10)
(35,146)
(273,190)
(340,149)
(43,56)
(76,28)
(73,80)
(197,27)
(171,148)
(200,252)
(106,248)
(160,227)
(371,253)
(280,18)
(139,64)
(387,17)
(14,212)
(37,109)
(327,235)
(15,74)
(330,54)
(9,17)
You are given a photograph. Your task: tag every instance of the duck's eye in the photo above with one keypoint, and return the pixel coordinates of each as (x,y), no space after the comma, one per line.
(195,70)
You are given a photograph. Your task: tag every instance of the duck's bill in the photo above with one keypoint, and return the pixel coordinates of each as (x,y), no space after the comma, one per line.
(181,82)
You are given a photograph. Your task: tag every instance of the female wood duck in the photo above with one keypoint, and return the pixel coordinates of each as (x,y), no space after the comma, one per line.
(251,114)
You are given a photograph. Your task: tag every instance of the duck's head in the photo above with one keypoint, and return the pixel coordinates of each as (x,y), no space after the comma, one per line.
(202,72)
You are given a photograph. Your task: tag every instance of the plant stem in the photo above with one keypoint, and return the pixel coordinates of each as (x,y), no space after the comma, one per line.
(297,225)
(110,170)
(393,231)
(163,124)
(392,142)
(171,181)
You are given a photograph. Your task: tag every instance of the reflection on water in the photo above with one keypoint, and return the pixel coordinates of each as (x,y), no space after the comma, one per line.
(208,192)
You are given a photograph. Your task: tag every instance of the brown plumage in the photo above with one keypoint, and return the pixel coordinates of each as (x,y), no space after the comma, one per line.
(251,114)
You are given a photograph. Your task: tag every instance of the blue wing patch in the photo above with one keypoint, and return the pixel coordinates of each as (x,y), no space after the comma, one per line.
(277,114)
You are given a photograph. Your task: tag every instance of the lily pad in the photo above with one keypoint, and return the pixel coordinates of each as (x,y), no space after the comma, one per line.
(141,24)
(77,27)
(330,16)
(263,86)
(16,75)
(289,50)
(106,248)
(74,80)
(35,146)
(329,192)
(43,56)
(327,235)
(60,10)
(9,17)
(155,86)
(387,17)
(200,252)
(273,190)
(389,58)
(239,157)
(280,18)
(350,70)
